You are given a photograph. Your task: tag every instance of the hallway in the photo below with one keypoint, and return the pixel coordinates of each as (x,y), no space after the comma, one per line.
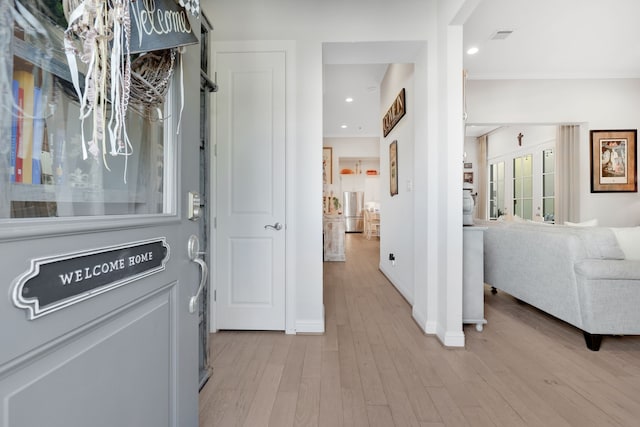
(374,367)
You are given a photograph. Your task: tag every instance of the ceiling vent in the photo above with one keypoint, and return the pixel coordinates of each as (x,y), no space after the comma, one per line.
(501,34)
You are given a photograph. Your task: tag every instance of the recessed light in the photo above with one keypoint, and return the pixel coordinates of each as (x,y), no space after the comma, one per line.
(343,126)
(472,50)
(349,99)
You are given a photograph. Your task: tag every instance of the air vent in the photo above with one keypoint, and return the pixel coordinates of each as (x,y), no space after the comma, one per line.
(501,34)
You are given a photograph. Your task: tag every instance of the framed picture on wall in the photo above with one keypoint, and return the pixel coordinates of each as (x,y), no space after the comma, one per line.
(467,177)
(613,161)
(393,167)
(327,165)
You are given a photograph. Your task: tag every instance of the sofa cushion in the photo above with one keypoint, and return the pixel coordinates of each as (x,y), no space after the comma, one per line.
(601,243)
(629,241)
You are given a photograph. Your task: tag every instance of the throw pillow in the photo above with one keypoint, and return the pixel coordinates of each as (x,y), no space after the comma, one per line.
(589,223)
(629,241)
(601,243)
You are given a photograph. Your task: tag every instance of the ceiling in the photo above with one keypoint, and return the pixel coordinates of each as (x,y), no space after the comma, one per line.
(549,39)
(355,70)
(554,39)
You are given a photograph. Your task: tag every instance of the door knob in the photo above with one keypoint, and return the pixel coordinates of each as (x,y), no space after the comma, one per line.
(277,226)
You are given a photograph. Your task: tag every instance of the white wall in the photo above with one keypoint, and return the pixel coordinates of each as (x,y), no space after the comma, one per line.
(438,104)
(595,104)
(396,212)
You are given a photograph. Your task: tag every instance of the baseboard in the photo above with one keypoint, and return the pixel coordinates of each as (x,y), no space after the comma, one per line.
(429,327)
(452,339)
(310,326)
(419,319)
(395,284)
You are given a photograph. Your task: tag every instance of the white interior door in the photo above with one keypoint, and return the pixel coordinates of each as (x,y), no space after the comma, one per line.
(95,321)
(251,227)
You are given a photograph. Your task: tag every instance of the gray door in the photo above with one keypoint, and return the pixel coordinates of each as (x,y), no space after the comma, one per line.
(98,325)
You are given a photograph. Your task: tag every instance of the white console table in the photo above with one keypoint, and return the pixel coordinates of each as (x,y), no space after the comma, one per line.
(473,276)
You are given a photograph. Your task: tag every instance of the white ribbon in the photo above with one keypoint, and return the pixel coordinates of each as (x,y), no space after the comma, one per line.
(180,51)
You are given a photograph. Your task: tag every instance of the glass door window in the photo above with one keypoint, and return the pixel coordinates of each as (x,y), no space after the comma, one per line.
(523,186)
(548,185)
(51,164)
(496,190)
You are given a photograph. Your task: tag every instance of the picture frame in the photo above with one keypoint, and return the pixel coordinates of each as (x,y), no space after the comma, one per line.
(467,177)
(393,168)
(327,165)
(614,161)
(468,165)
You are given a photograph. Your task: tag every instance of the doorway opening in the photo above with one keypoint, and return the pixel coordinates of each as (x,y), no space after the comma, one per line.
(357,79)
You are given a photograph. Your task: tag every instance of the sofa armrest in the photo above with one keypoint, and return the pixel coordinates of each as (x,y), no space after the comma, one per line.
(609,293)
(608,269)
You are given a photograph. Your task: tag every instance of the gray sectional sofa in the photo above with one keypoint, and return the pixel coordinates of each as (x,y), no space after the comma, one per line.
(577,274)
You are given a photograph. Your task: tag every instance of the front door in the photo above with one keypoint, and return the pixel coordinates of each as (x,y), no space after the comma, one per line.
(251,227)
(97,326)
(207,86)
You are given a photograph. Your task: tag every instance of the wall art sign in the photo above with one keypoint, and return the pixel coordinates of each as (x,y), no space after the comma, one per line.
(159,24)
(394,114)
(613,161)
(56,282)
(393,168)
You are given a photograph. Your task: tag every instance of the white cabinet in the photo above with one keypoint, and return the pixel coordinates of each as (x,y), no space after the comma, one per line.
(370,184)
(333,238)
(473,276)
(371,188)
(351,182)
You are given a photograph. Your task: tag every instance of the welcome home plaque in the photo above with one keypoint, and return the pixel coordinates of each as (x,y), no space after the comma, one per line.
(56,282)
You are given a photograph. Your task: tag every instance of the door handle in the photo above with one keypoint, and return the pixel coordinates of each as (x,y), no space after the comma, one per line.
(193,248)
(204,272)
(277,226)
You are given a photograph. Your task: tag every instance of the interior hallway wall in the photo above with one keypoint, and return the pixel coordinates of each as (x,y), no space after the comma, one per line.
(438,298)
(397,211)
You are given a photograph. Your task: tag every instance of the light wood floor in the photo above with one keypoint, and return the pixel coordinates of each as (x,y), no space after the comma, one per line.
(374,367)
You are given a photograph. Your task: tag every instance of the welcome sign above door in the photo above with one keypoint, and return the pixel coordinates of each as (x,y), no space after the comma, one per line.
(159,24)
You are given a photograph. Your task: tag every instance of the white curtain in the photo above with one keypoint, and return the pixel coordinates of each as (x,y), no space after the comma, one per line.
(481,198)
(567,188)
